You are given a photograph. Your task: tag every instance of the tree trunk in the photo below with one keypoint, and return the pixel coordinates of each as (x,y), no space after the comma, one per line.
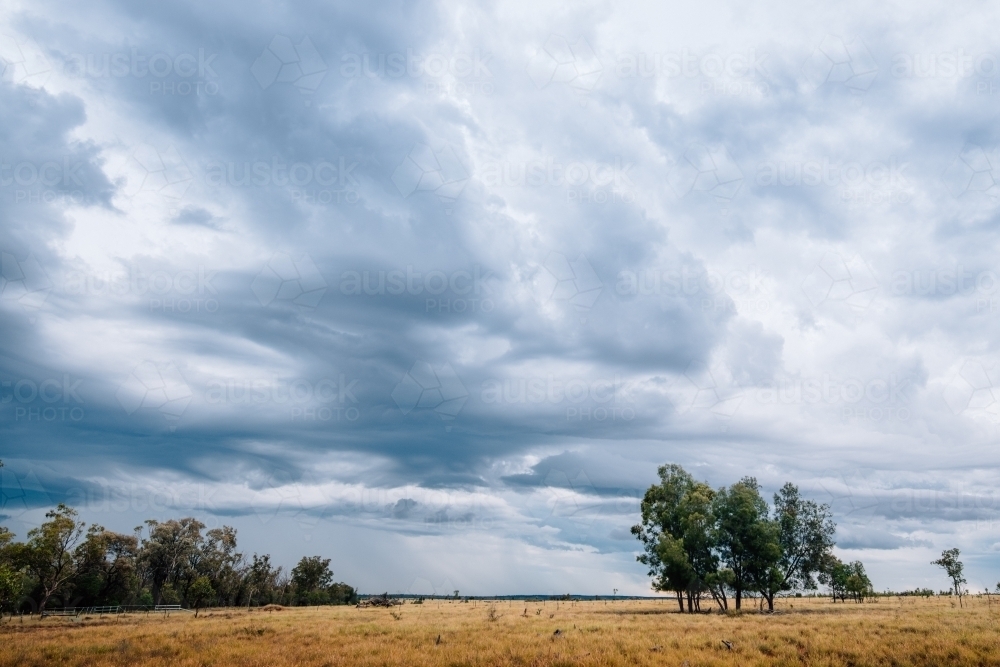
(680,601)
(770,602)
(41,606)
(739,597)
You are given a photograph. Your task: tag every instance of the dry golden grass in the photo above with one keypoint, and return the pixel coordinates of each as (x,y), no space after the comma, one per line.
(812,632)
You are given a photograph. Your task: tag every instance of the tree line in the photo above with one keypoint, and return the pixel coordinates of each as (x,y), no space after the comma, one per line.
(65,563)
(727,543)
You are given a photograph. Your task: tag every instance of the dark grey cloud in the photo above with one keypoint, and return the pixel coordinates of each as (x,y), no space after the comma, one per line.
(420,274)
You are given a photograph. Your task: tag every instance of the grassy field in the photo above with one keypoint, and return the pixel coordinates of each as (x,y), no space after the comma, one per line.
(892,631)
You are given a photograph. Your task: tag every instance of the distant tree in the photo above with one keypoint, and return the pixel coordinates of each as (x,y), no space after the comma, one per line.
(200,592)
(858,585)
(261,580)
(167,552)
(949,561)
(310,579)
(845,579)
(10,576)
(105,567)
(48,553)
(833,574)
(746,538)
(216,557)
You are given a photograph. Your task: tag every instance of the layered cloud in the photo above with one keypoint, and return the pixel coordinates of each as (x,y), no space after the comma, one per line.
(448,281)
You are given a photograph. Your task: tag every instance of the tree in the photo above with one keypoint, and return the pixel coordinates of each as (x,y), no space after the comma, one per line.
(805,536)
(746,539)
(310,579)
(10,576)
(675,572)
(949,561)
(106,567)
(261,579)
(216,557)
(697,524)
(661,514)
(200,592)
(48,554)
(166,554)
(858,585)
(845,579)
(833,574)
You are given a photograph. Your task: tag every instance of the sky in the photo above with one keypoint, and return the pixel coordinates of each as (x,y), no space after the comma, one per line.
(432,288)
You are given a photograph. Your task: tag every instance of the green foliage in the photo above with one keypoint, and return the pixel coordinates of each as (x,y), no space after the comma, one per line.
(62,563)
(200,591)
(846,579)
(312,584)
(697,539)
(954,568)
(48,553)
(10,586)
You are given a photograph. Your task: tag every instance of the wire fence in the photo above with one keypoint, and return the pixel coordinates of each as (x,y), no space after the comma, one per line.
(114,609)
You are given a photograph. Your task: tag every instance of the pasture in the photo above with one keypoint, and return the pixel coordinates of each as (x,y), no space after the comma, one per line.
(892,631)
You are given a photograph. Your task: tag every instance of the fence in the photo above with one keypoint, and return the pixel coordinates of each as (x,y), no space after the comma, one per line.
(113,609)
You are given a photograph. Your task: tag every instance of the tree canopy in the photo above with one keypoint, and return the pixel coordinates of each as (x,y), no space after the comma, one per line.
(731,542)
